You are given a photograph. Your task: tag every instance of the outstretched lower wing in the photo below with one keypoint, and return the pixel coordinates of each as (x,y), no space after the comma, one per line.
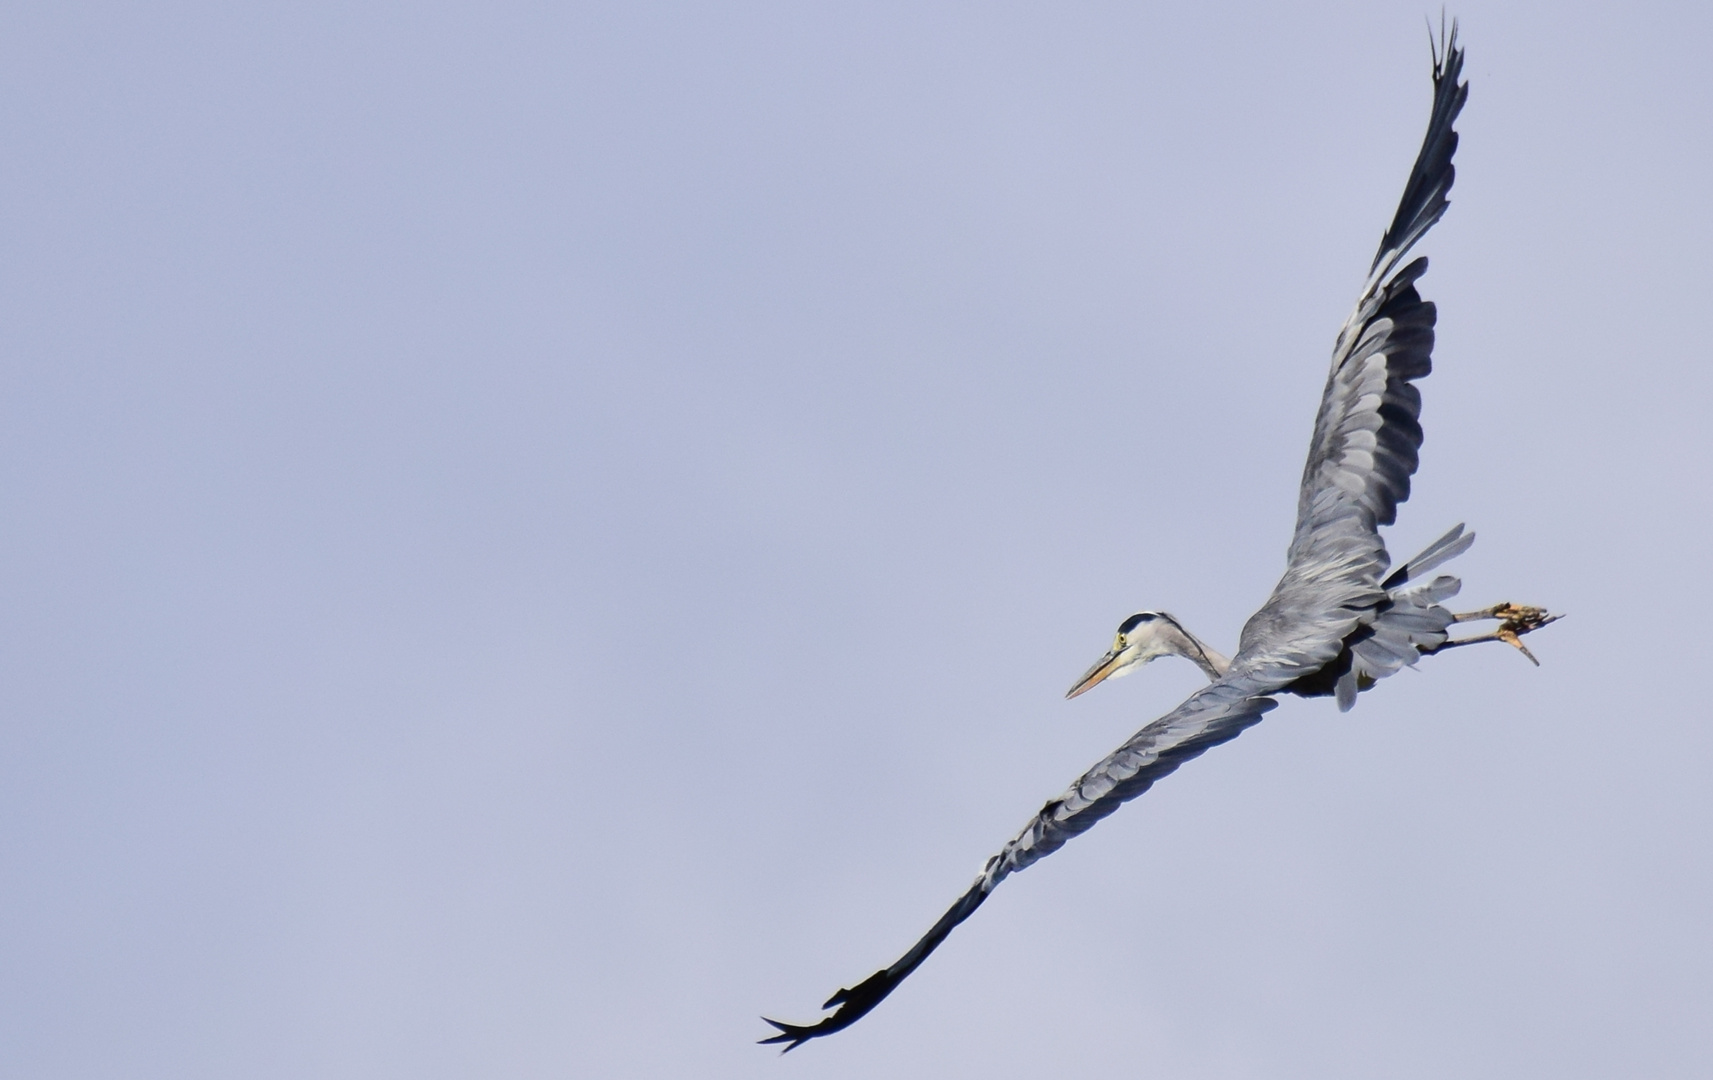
(1212,715)
(1367,433)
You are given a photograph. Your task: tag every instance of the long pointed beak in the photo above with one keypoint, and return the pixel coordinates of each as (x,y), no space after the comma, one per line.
(1106,666)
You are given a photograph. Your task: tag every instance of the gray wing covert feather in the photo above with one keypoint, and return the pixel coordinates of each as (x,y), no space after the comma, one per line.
(1217,713)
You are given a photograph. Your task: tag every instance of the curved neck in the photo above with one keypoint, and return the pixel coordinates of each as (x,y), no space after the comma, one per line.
(1187,645)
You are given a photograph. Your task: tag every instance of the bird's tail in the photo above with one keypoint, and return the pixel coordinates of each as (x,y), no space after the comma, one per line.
(1446,548)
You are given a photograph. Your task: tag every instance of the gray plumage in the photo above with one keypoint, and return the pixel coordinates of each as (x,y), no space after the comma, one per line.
(1336,623)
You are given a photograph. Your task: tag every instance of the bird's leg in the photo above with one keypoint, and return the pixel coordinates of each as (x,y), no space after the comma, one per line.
(1507,610)
(1515,620)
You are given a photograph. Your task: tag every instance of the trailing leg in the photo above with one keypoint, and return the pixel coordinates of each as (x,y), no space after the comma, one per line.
(1515,620)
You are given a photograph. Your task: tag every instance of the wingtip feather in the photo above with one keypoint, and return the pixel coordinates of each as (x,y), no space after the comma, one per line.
(790,1034)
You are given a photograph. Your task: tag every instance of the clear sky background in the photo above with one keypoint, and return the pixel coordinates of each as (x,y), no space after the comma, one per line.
(534,534)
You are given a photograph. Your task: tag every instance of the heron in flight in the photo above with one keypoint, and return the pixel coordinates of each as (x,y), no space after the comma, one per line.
(1337,622)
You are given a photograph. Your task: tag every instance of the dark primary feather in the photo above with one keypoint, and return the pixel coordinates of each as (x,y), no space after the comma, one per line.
(1212,715)
(855,1002)
(1424,200)
(1330,607)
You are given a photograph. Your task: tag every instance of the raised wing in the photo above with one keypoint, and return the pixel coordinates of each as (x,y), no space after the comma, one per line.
(1367,432)
(1212,715)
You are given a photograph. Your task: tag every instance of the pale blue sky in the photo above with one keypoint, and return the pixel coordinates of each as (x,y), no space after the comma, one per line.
(534,534)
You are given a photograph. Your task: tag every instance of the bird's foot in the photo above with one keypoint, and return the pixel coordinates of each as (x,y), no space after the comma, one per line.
(1515,620)
(1507,610)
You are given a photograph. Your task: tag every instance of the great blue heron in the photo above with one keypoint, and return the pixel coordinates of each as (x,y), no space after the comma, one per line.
(1337,622)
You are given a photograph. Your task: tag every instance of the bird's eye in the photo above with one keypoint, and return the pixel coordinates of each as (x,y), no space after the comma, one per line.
(1118,646)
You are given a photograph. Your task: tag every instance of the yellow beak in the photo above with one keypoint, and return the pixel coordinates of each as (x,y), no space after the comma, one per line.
(1106,666)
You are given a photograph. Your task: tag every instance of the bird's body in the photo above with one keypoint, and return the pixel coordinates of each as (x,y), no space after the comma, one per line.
(1337,623)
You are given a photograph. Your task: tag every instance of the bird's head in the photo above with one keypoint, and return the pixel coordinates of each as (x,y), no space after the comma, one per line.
(1142,637)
